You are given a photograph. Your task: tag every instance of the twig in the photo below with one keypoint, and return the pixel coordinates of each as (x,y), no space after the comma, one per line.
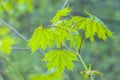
(69,48)
(91,78)
(20,48)
(14,30)
(18,33)
(65,4)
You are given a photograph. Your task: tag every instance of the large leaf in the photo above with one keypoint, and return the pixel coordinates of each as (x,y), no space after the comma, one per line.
(93,26)
(41,38)
(60,59)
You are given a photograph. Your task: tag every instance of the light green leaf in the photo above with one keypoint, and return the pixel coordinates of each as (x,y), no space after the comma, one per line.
(29,5)
(1,9)
(7,6)
(77,40)
(5,44)
(93,26)
(61,35)
(60,59)
(4,30)
(61,13)
(42,37)
(52,76)
(21,1)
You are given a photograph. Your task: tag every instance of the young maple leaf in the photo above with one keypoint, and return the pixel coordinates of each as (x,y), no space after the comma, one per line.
(60,59)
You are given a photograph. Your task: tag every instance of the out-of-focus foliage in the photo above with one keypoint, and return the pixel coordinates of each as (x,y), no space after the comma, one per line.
(104,56)
(6,41)
(47,76)
(4,31)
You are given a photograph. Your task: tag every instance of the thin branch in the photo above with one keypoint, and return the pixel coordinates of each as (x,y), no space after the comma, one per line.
(91,78)
(69,48)
(14,30)
(65,4)
(20,48)
(18,33)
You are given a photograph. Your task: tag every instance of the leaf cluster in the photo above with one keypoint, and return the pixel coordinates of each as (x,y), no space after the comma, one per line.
(63,31)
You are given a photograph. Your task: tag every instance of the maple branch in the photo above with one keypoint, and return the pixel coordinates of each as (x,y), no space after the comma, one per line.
(18,33)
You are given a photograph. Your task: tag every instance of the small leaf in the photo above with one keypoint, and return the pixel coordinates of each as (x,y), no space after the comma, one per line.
(75,40)
(61,35)
(88,73)
(60,59)
(61,13)
(4,30)
(5,44)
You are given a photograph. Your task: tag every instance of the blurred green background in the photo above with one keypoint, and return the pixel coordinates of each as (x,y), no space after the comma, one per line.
(26,15)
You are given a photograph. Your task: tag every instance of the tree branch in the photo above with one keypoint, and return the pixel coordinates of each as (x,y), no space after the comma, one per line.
(14,30)
(18,33)
(20,48)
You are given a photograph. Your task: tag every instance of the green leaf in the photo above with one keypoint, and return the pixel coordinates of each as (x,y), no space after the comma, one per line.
(4,30)
(30,5)
(61,13)
(52,76)
(41,38)
(60,59)
(21,1)
(48,37)
(1,9)
(93,26)
(75,40)
(5,44)
(61,35)
(7,6)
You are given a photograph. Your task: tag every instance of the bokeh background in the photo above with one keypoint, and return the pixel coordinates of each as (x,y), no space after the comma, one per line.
(26,15)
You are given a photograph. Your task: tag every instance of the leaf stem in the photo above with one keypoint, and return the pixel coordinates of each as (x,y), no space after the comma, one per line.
(82,61)
(80,57)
